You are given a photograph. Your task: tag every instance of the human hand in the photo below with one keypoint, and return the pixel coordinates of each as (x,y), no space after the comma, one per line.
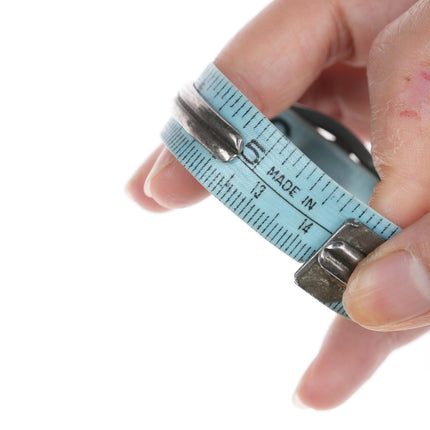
(366,64)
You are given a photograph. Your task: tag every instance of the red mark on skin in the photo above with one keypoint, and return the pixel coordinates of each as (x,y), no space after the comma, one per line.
(416,94)
(409,114)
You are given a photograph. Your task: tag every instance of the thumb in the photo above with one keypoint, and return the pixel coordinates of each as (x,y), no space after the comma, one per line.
(391,288)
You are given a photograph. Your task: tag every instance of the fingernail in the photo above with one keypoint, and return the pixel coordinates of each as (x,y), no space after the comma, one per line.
(163,160)
(298,402)
(388,291)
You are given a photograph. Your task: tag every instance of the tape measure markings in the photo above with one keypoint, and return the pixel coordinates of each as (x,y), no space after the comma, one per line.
(286,201)
(271,184)
(205,175)
(186,155)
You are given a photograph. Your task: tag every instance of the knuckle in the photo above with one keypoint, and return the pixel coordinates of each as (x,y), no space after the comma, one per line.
(343,40)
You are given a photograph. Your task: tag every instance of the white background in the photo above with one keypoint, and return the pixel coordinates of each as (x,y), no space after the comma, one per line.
(114,318)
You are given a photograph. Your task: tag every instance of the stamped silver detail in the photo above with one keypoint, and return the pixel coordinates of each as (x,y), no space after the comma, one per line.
(326,273)
(206,125)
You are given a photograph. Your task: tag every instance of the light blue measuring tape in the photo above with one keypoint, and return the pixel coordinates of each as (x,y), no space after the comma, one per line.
(281,177)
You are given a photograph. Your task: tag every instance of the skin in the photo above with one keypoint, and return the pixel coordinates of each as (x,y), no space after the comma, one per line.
(366,64)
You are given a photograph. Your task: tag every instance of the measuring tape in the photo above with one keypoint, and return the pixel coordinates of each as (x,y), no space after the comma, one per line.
(281,177)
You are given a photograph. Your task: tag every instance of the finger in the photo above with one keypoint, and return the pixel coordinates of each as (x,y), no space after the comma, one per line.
(390,290)
(350,354)
(134,187)
(275,58)
(173,187)
(399,79)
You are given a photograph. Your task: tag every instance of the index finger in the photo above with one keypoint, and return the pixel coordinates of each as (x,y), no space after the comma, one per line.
(275,58)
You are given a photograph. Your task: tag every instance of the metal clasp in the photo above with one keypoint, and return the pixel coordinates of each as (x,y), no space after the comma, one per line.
(206,125)
(326,273)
